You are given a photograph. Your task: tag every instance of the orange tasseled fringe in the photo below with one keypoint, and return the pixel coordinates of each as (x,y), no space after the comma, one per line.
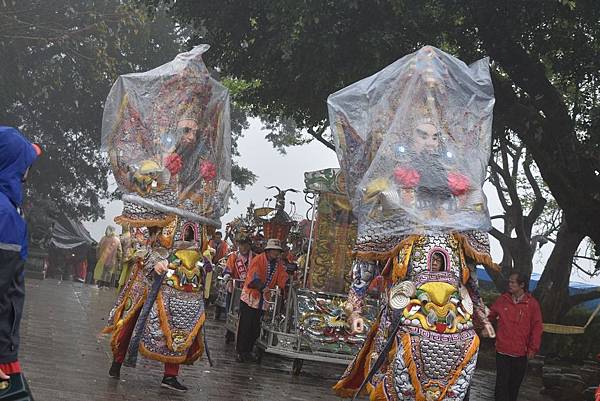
(164,325)
(412,367)
(194,357)
(401,267)
(119,310)
(116,329)
(184,359)
(349,385)
(464,269)
(478,257)
(472,350)
(379,256)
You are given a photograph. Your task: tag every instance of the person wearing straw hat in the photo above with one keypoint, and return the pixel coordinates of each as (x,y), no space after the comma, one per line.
(266,271)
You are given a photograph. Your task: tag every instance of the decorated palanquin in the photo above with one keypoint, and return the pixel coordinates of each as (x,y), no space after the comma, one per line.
(321,314)
(168,138)
(413,142)
(334,232)
(323,326)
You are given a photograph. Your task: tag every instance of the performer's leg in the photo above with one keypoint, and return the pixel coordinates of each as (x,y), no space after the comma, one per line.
(257,315)
(12,299)
(124,338)
(171,369)
(244,345)
(503,366)
(170,379)
(229,335)
(249,328)
(517,373)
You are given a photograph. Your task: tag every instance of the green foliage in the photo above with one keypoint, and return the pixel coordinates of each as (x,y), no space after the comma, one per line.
(488,295)
(59,60)
(545,56)
(574,348)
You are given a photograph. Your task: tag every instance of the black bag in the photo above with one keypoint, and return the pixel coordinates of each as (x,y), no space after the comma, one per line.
(16,389)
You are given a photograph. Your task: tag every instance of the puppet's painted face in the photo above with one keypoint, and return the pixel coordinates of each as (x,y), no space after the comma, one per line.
(426,139)
(187,132)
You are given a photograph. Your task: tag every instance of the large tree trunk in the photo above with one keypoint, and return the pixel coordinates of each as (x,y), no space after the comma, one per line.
(522,256)
(518,256)
(553,288)
(541,119)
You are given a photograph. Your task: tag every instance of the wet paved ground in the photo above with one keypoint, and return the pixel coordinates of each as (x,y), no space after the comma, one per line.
(65,359)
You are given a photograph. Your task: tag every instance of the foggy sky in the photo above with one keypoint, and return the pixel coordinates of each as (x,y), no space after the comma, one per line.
(287,171)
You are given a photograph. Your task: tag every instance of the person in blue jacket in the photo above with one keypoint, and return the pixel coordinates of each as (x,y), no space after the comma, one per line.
(16,156)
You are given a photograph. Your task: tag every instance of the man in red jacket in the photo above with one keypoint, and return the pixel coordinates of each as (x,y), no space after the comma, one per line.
(518,336)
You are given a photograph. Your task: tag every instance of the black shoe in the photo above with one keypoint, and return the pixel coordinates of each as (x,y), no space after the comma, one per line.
(171,383)
(115,370)
(229,337)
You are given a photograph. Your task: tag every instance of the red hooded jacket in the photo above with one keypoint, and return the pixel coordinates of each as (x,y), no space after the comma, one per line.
(519,325)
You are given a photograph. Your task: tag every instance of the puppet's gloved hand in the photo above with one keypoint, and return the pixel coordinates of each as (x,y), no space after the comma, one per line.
(356,323)
(161,267)
(482,323)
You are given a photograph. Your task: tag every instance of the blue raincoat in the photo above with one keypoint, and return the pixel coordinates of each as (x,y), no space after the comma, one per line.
(16,155)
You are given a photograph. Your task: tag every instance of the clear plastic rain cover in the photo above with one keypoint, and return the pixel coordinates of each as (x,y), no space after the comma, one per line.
(168,129)
(414,141)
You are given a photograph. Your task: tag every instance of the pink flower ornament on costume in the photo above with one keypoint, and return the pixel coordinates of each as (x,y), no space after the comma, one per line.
(407,177)
(173,163)
(458,183)
(208,171)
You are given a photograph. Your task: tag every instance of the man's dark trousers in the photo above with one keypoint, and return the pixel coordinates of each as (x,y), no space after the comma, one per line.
(510,371)
(12,298)
(248,329)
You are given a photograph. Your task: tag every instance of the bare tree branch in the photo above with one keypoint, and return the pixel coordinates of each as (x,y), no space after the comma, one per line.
(504,239)
(539,203)
(495,179)
(318,135)
(582,270)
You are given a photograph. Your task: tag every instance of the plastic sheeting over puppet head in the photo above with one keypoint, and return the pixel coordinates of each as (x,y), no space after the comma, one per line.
(414,141)
(167,131)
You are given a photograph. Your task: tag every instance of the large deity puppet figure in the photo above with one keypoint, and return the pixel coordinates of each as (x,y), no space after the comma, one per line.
(413,142)
(167,135)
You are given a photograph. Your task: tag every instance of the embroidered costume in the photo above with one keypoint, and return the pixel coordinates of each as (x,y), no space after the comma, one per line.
(169,150)
(413,142)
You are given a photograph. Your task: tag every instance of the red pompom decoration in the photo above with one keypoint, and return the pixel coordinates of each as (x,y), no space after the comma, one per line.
(174,163)
(458,183)
(208,171)
(406,177)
